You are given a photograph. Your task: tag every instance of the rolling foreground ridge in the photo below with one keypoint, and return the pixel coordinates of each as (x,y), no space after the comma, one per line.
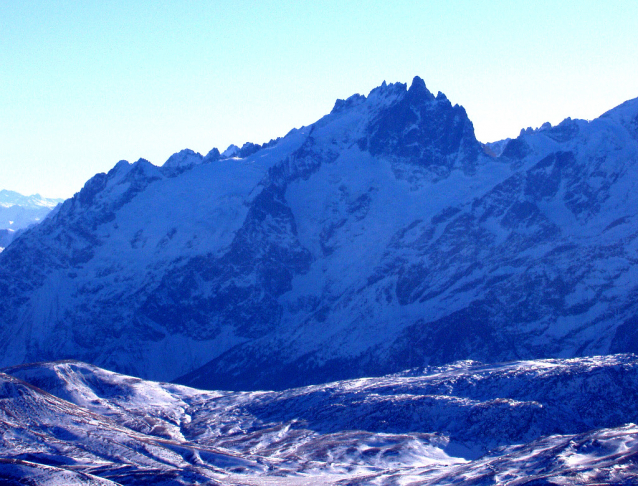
(382,237)
(529,422)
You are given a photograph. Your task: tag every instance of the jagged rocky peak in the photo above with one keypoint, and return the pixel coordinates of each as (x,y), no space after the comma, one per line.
(212,155)
(390,93)
(342,105)
(246,150)
(425,129)
(418,90)
(411,125)
(184,158)
(231,151)
(115,188)
(533,141)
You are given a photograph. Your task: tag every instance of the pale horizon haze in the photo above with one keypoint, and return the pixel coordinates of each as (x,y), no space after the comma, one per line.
(86,84)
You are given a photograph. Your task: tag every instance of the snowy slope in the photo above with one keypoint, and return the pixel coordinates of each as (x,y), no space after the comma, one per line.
(382,237)
(557,421)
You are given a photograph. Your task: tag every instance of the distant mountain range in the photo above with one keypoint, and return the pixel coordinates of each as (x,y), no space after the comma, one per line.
(382,237)
(18,212)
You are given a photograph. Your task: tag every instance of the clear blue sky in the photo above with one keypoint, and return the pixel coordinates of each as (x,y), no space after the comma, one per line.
(85,84)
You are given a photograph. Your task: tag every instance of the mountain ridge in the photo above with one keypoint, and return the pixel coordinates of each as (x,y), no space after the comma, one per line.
(379,238)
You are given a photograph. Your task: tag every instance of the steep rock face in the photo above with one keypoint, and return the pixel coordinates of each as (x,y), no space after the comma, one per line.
(425,130)
(240,288)
(379,238)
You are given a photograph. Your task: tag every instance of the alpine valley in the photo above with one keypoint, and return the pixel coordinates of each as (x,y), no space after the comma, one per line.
(323,265)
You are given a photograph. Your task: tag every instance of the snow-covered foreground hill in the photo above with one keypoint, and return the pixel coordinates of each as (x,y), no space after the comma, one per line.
(527,422)
(380,238)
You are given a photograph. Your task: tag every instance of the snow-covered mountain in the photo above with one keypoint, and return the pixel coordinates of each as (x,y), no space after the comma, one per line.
(535,422)
(382,237)
(18,212)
